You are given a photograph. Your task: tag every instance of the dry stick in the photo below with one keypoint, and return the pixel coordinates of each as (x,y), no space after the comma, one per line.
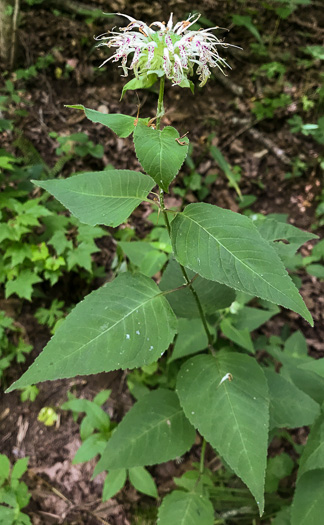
(260,137)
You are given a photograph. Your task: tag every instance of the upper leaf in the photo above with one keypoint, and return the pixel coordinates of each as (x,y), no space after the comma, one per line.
(125,324)
(154,430)
(186,508)
(226,247)
(139,83)
(102,197)
(160,155)
(232,416)
(122,125)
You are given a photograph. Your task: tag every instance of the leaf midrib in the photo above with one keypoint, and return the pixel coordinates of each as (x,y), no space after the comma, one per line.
(108,196)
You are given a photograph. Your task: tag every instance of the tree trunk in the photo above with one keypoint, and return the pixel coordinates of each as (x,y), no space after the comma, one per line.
(9,10)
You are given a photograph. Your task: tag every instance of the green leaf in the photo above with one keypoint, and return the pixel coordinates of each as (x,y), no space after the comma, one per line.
(96,415)
(312,457)
(103,197)
(289,406)
(226,247)
(252,318)
(316,366)
(22,285)
(307,506)
(240,337)
(191,338)
(159,153)
(282,517)
(232,416)
(142,480)
(246,21)
(19,468)
(296,345)
(4,467)
(93,445)
(148,260)
(60,242)
(274,231)
(102,397)
(7,515)
(217,155)
(139,83)
(24,519)
(293,356)
(317,270)
(186,508)
(81,256)
(278,467)
(122,125)
(125,324)
(213,296)
(18,253)
(114,482)
(153,431)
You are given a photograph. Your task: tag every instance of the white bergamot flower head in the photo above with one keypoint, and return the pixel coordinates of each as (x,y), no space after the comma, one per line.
(171,49)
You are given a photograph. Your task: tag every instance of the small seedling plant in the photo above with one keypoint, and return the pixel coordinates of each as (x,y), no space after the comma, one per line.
(222,392)
(14,494)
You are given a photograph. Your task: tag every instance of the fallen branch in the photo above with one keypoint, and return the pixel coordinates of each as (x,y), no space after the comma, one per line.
(260,137)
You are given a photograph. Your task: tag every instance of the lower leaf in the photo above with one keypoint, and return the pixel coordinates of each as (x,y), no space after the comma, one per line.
(307,507)
(114,482)
(232,415)
(142,481)
(186,508)
(153,431)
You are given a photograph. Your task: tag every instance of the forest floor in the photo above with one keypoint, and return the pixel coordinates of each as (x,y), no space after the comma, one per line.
(219,114)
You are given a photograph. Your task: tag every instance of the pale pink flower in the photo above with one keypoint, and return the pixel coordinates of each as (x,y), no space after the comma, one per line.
(170,50)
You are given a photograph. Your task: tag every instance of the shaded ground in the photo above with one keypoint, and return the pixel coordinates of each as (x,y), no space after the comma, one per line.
(219,114)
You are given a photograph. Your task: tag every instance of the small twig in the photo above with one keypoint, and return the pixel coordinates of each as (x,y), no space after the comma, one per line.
(185,285)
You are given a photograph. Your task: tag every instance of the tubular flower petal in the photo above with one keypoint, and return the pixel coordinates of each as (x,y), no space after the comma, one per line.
(171,50)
